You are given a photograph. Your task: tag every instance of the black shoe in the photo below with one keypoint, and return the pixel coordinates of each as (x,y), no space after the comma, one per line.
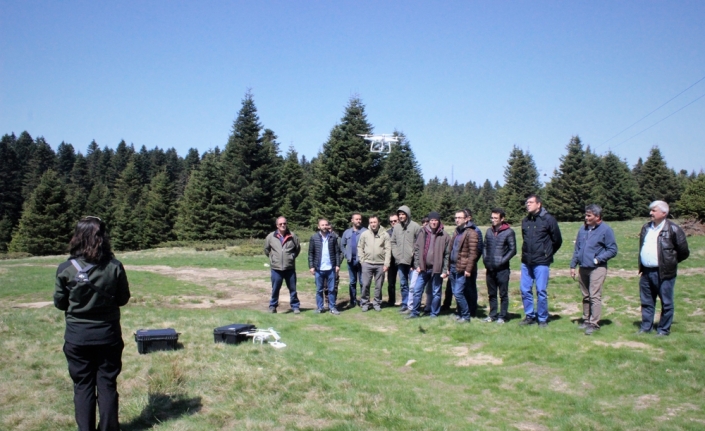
(527,321)
(583,326)
(543,325)
(272,309)
(590,329)
(352,304)
(404,310)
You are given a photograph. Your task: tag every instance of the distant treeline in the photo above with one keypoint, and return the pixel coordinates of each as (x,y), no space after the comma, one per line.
(149,197)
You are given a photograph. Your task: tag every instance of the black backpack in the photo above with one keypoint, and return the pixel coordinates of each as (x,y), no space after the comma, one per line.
(81,279)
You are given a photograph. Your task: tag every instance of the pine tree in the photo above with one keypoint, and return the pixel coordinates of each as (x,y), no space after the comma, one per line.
(250,163)
(486,201)
(347,175)
(616,191)
(572,184)
(66,157)
(128,210)
(692,201)
(42,158)
(99,204)
(204,210)
(159,211)
(44,227)
(10,190)
(292,185)
(404,175)
(658,182)
(521,178)
(123,155)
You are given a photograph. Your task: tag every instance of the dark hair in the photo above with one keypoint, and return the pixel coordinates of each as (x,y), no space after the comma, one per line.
(90,241)
(425,220)
(535,196)
(372,216)
(393,215)
(499,211)
(354,214)
(467,212)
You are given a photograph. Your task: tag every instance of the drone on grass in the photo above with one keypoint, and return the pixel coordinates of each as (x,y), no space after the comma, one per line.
(380,143)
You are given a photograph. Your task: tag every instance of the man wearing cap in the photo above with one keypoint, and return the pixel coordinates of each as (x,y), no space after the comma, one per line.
(403,240)
(282,247)
(431,256)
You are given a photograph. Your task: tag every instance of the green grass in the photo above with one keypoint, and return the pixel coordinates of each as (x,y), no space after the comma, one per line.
(371,371)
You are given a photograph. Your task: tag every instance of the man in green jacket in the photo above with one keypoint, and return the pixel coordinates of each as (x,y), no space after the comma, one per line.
(282,247)
(375,253)
(403,239)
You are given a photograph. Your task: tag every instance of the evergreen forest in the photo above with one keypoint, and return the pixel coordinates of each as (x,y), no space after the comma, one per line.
(149,197)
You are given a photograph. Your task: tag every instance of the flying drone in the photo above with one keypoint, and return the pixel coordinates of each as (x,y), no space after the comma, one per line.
(380,143)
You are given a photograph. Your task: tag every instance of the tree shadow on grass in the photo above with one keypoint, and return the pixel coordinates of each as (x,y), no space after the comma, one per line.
(161,408)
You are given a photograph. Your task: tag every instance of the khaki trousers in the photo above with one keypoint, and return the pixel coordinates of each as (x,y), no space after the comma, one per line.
(591,281)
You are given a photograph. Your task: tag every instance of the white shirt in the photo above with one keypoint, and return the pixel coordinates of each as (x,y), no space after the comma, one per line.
(649,251)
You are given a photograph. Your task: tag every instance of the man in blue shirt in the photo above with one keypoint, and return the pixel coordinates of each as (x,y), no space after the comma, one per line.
(349,246)
(594,246)
(323,262)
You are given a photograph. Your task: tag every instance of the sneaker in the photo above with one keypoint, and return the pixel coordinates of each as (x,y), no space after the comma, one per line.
(318,311)
(590,329)
(543,325)
(583,326)
(405,311)
(412,316)
(334,311)
(462,320)
(378,308)
(488,319)
(500,321)
(297,311)
(661,334)
(641,331)
(527,321)
(272,309)
(365,308)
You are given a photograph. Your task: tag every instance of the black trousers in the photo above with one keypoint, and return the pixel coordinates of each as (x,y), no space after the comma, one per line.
(392,284)
(95,367)
(498,281)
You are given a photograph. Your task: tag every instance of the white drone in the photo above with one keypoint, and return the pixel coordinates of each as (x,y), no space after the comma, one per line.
(380,143)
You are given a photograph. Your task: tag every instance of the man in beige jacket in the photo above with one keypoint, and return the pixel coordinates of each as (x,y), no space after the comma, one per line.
(374,250)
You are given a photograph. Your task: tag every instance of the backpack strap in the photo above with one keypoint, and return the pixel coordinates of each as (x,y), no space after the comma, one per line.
(84,271)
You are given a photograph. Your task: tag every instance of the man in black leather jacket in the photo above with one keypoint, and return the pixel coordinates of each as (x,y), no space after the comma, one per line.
(662,245)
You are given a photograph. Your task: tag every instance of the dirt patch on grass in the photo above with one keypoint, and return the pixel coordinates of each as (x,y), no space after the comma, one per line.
(40,304)
(633,345)
(478,359)
(319,328)
(646,401)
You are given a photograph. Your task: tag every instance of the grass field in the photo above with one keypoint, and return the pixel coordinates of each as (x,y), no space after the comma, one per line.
(361,371)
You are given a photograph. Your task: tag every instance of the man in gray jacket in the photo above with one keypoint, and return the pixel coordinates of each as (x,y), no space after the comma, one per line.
(282,247)
(403,240)
(375,254)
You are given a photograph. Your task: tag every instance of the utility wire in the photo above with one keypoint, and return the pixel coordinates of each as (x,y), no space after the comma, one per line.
(634,136)
(642,118)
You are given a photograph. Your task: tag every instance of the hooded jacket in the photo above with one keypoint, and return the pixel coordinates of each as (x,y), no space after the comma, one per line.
(441,249)
(672,248)
(542,238)
(282,254)
(500,247)
(403,238)
(466,253)
(91,317)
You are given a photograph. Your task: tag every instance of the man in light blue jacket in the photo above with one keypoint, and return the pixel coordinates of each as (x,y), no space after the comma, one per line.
(594,246)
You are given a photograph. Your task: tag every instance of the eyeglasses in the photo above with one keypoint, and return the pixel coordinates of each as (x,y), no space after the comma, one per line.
(460,218)
(281,224)
(93,217)
(393,221)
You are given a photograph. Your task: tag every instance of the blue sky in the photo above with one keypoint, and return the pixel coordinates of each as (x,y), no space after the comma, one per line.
(465,80)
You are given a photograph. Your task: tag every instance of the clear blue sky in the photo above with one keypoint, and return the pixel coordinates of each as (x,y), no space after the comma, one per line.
(465,80)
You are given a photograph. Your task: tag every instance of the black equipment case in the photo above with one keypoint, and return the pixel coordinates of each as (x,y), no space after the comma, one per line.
(232,334)
(151,340)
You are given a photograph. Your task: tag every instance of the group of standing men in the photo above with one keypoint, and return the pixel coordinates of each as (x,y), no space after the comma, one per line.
(424,256)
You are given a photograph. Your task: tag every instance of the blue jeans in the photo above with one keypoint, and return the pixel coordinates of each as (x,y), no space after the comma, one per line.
(461,290)
(278,277)
(471,296)
(651,287)
(529,275)
(403,271)
(436,283)
(355,273)
(327,277)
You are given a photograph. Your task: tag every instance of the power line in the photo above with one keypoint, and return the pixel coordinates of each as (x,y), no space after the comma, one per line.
(682,108)
(642,118)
